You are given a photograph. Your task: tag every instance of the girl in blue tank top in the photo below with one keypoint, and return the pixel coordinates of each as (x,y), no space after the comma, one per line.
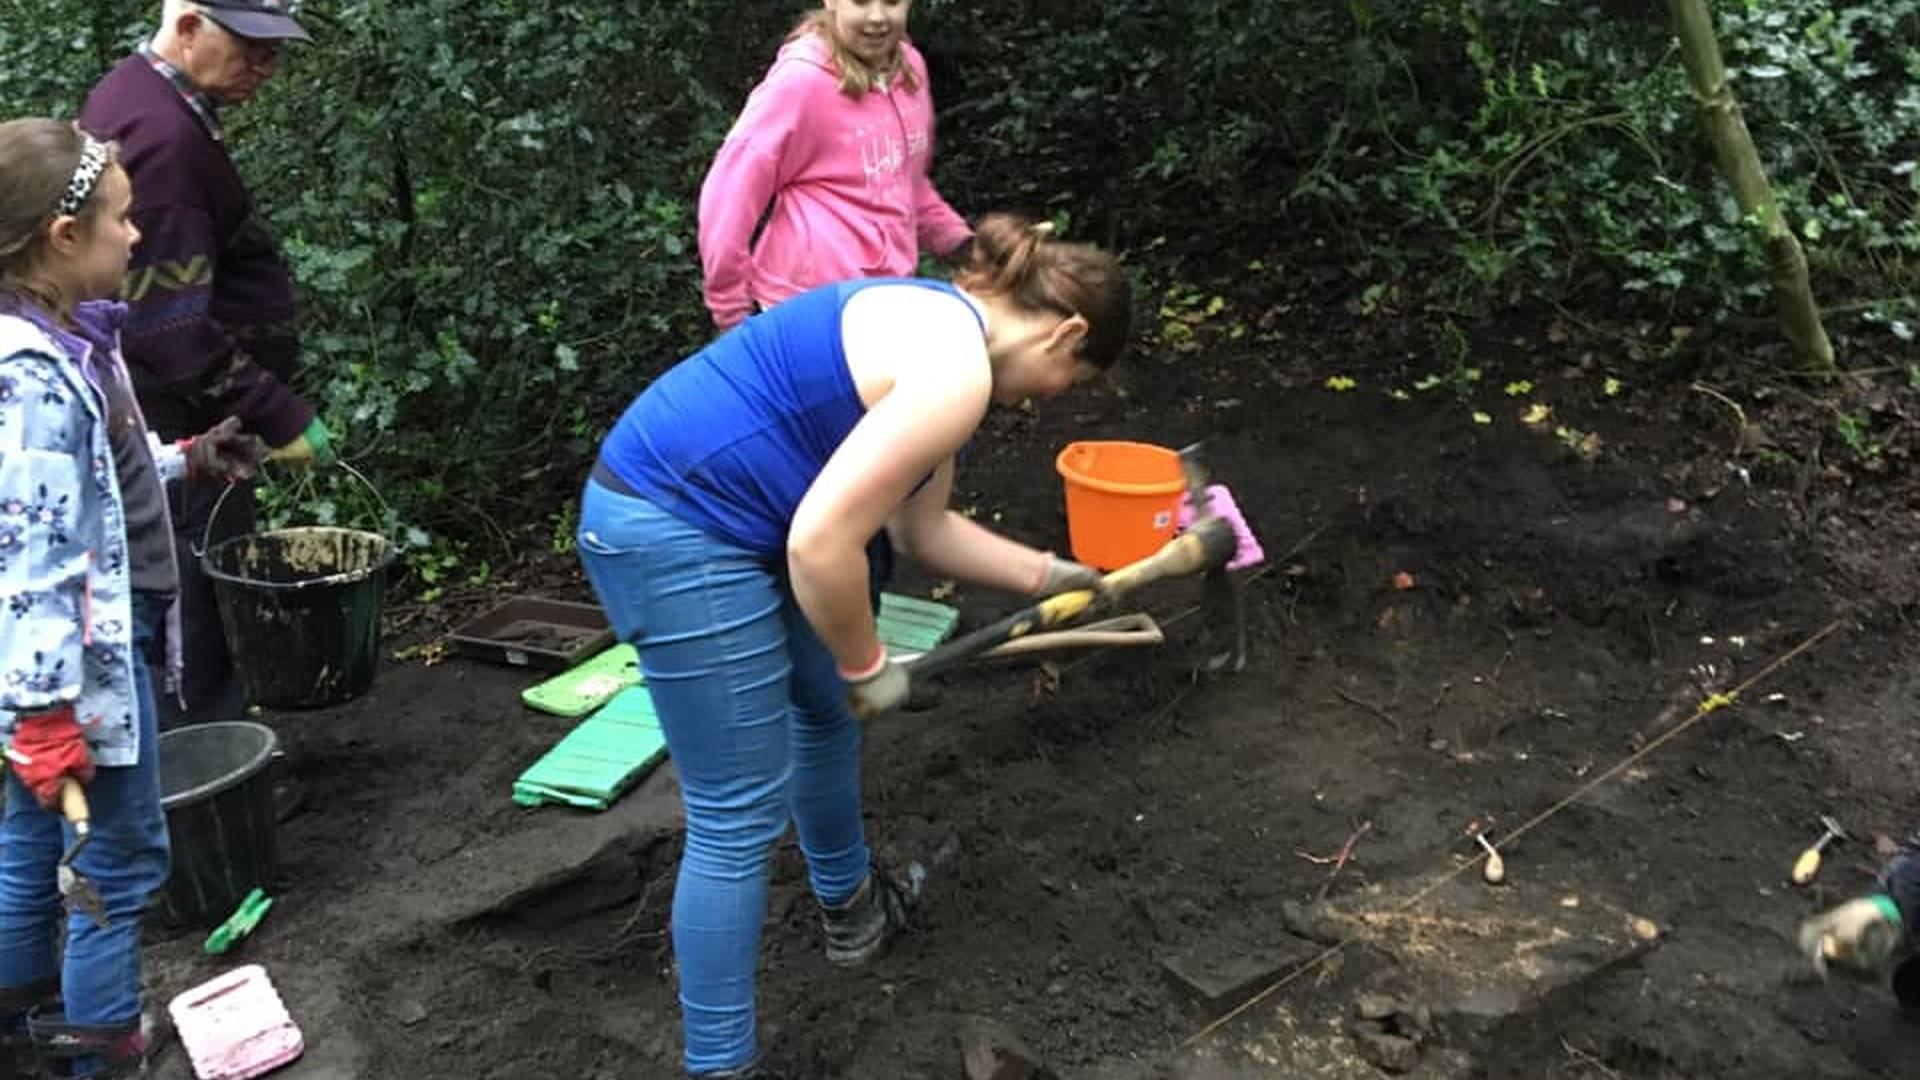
(726,528)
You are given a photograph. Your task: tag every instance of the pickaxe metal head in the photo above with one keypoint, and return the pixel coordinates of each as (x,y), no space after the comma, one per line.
(1223,609)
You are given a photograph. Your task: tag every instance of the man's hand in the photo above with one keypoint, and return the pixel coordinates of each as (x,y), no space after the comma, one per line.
(1065,575)
(46,749)
(881,687)
(312,445)
(223,451)
(1859,934)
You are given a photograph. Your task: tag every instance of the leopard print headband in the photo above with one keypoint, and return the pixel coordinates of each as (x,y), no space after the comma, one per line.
(93,162)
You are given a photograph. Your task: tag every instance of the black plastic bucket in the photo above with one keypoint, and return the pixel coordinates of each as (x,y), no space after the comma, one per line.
(301,609)
(1906,986)
(218,794)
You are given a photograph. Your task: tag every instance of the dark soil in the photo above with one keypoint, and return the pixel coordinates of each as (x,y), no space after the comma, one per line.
(1086,820)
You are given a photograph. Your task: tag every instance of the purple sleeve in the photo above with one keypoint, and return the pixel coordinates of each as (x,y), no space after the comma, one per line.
(180,347)
(1900,879)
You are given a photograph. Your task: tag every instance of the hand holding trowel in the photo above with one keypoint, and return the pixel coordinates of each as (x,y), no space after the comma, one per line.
(49,754)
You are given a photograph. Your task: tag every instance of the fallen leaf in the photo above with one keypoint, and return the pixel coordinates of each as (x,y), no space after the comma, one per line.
(1676,505)
(1481,418)
(1403,581)
(1340,383)
(1538,414)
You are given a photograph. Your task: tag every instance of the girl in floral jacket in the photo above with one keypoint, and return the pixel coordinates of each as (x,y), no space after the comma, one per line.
(86,574)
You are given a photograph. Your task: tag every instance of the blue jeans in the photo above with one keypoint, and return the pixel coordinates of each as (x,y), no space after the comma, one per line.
(127,861)
(754,713)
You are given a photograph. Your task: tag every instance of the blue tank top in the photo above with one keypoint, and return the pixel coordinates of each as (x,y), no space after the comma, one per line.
(731,438)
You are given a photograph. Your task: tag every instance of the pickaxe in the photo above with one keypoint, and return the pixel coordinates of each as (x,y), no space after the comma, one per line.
(1205,547)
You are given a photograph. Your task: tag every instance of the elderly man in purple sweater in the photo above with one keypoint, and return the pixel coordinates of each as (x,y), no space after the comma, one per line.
(211,331)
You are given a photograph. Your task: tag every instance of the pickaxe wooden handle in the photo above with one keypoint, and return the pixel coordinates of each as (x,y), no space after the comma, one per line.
(1121,631)
(1206,546)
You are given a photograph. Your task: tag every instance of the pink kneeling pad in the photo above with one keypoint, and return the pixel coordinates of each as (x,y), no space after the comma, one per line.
(235,1027)
(1247,551)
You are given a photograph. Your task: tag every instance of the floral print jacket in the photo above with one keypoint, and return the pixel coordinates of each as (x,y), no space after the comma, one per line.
(66,631)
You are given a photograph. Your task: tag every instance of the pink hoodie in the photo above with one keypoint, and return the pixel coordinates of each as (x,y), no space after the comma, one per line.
(847,177)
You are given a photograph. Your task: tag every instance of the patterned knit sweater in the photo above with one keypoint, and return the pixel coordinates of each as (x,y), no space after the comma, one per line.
(212,327)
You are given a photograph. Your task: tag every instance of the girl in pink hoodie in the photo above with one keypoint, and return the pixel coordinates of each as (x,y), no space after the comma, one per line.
(839,136)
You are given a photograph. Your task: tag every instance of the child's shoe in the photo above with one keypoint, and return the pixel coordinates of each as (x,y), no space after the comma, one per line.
(105,1053)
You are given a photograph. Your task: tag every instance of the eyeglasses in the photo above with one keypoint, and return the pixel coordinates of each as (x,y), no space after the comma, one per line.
(256,51)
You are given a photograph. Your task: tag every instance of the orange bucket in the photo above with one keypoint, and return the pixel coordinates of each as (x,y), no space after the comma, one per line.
(1123,500)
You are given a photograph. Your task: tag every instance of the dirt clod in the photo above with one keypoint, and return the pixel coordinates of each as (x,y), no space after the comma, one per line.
(990,1050)
(1394,1053)
(1374,1007)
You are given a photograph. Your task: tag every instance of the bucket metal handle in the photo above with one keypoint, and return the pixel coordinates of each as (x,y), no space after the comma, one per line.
(206,535)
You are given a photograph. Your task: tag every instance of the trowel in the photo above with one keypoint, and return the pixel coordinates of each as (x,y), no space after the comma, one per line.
(75,888)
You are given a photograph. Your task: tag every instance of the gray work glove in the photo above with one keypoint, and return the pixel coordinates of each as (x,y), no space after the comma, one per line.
(1860,934)
(223,452)
(884,690)
(1065,575)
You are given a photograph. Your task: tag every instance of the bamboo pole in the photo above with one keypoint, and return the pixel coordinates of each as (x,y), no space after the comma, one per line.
(1739,162)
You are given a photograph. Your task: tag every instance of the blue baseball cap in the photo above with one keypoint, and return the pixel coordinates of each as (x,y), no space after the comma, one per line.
(261,20)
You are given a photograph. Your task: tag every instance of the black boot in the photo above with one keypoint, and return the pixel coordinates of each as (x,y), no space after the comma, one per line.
(120,1050)
(16,1049)
(880,908)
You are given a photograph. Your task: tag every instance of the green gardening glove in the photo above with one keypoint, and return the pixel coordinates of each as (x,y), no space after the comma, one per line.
(312,446)
(1860,934)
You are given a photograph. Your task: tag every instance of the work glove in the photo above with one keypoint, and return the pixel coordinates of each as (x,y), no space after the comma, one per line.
(882,687)
(223,452)
(46,748)
(1065,575)
(1859,934)
(314,445)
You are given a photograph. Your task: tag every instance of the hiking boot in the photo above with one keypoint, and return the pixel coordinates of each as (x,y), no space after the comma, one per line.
(880,908)
(116,1051)
(16,1049)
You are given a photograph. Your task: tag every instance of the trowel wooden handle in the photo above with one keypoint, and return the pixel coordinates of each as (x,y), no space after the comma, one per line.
(73,801)
(1807,865)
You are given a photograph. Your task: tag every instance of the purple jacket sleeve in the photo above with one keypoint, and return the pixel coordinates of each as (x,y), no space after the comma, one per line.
(749,168)
(182,350)
(1900,879)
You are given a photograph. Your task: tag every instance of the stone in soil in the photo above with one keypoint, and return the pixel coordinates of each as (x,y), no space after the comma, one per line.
(1225,970)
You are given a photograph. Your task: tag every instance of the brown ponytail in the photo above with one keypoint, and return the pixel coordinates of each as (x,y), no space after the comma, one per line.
(1021,260)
